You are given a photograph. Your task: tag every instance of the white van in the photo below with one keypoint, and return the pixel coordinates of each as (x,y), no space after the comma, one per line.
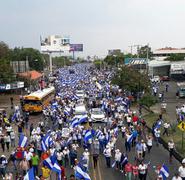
(80,110)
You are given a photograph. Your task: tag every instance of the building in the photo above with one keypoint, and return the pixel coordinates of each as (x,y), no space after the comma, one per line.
(163,53)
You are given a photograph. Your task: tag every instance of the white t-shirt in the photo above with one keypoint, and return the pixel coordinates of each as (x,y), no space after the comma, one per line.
(176,178)
(142,168)
(149,142)
(182,171)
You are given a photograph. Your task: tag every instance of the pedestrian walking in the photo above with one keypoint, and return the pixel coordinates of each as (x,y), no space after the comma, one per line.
(24,166)
(107,154)
(181,170)
(95,152)
(149,143)
(128,171)
(142,171)
(3,164)
(2,140)
(7,141)
(35,163)
(171,147)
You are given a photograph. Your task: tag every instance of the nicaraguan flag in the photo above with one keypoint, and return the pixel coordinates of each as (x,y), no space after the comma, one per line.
(47,162)
(79,173)
(83,119)
(29,175)
(43,146)
(98,133)
(130,138)
(116,131)
(66,112)
(164,171)
(23,140)
(74,123)
(88,136)
(158,125)
(56,168)
(14,117)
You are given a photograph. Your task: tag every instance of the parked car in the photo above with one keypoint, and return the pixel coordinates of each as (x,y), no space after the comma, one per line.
(97,115)
(155,79)
(164,78)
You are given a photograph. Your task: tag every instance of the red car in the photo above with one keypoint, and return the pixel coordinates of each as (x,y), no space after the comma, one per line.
(164,78)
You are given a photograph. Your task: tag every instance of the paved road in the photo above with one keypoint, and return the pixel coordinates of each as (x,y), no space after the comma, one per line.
(158,155)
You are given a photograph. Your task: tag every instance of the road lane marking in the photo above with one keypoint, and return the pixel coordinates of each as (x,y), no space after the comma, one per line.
(94,173)
(98,169)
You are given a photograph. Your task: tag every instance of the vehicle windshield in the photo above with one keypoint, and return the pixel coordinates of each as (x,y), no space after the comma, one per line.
(32,102)
(96,111)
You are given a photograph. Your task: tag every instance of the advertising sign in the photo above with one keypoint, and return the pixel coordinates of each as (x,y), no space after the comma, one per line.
(55,43)
(132,61)
(2,86)
(114,52)
(76,47)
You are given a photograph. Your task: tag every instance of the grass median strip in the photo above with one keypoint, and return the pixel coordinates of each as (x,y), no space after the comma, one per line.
(174,132)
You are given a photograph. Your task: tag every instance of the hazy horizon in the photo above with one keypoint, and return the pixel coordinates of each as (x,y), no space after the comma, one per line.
(100,24)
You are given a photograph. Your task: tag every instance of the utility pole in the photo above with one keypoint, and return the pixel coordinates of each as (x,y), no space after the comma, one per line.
(50,62)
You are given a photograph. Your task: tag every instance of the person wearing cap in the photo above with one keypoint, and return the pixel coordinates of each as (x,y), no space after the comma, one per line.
(182,170)
(107,154)
(118,158)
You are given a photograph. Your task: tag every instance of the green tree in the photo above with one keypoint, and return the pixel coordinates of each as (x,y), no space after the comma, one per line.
(61,61)
(176,57)
(35,58)
(144,50)
(4,50)
(131,80)
(98,64)
(6,72)
(148,100)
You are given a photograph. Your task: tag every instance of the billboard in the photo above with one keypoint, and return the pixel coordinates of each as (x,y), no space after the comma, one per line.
(114,52)
(132,61)
(76,47)
(55,43)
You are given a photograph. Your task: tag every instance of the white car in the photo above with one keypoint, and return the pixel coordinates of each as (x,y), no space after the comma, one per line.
(80,93)
(97,115)
(80,111)
(156,79)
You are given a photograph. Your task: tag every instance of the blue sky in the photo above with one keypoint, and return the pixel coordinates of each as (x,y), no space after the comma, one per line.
(98,24)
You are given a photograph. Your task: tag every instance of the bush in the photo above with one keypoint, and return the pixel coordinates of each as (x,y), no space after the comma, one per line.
(148,100)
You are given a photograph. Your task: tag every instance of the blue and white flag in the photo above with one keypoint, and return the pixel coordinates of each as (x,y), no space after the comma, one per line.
(56,168)
(14,117)
(43,146)
(113,164)
(79,173)
(88,136)
(164,171)
(23,140)
(158,125)
(47,162)
(98,133)
(83,119)
(130,138)
(66,112)
(116,131)
(29,175)
(74,123)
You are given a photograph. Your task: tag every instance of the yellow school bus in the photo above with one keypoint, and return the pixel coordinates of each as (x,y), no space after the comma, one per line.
(36,101)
